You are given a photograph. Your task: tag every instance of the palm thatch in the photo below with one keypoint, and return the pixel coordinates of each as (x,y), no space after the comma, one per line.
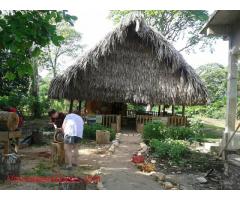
(133,63)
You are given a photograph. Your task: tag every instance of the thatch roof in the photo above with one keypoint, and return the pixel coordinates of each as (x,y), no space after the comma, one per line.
(133,63)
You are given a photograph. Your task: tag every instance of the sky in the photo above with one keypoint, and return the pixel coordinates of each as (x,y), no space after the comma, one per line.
(94,25)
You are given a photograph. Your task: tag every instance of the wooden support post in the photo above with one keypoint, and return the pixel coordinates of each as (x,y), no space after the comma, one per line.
(172,110)
(183,111)
(71,106)
(231,112)
(118,121)
(79,105)
(159,110)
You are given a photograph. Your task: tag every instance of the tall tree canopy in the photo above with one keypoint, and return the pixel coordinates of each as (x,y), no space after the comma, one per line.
(24,33)
(176,25)
(69,48)
(214,76)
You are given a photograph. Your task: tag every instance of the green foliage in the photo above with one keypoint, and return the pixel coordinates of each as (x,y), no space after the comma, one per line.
(89,131)
(172,149)
(50,58)
(135,107)
(157,130)
(154,130)
(175,25)
(23,34)
(214,77)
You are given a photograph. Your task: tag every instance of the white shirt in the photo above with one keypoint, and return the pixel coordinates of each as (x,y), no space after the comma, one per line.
(73,125)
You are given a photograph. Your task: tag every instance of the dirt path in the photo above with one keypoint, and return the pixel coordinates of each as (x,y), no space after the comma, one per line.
(118,172)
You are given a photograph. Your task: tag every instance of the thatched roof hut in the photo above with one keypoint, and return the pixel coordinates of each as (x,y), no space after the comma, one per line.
(133,63)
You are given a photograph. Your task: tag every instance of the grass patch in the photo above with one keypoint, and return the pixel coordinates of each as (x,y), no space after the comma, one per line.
(211,133)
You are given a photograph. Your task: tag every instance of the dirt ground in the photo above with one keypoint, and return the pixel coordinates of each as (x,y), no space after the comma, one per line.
(116,170)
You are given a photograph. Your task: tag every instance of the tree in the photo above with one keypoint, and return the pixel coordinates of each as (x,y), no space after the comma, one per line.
(70,47)
(175,25)
(24,33)
(214,76)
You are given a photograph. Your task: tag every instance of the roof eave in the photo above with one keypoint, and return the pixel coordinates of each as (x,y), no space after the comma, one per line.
(207,24)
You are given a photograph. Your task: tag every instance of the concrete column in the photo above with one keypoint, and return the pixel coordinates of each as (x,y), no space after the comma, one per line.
(231,112)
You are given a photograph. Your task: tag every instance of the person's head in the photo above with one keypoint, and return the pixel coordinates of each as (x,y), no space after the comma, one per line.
(53,113)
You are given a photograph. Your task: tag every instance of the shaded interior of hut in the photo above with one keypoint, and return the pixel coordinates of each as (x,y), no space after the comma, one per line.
(129,119)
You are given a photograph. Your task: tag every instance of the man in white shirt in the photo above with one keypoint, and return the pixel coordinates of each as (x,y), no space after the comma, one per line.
(73,132)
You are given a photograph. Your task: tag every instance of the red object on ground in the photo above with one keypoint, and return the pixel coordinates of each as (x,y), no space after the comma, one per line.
(137,159)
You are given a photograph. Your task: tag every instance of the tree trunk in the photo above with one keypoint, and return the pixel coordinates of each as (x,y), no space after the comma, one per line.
(34,91)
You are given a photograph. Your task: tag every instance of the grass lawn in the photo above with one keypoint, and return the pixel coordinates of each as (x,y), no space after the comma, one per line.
(212,132)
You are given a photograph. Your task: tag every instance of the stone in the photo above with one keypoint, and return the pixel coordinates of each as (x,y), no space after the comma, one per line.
(143,146)
(168,185)
(153,161)
(115,143)
(160,176)
(172,179)
(202,180)
(112,148)
(100,186)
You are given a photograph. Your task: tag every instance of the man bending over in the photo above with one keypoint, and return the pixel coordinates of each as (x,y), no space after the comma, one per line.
(73,132)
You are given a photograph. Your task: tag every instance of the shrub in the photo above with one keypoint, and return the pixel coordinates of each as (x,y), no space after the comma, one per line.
(171,149)
(153,130)
(157,130)
(89,131)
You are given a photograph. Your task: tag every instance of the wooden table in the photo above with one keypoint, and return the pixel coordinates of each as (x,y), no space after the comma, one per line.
(6,136)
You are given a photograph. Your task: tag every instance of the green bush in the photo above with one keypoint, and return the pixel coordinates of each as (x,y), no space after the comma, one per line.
(89,131)
(171,149)
(153,130)
(157,130)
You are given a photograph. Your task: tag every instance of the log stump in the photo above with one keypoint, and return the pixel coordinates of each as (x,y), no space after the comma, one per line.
(58,153)
(102,137)
(8,121)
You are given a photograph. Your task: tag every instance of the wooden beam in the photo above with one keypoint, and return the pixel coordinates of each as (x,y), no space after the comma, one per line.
(71,106)
(164,110)
(159,110)
(219,30)
(172,109)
